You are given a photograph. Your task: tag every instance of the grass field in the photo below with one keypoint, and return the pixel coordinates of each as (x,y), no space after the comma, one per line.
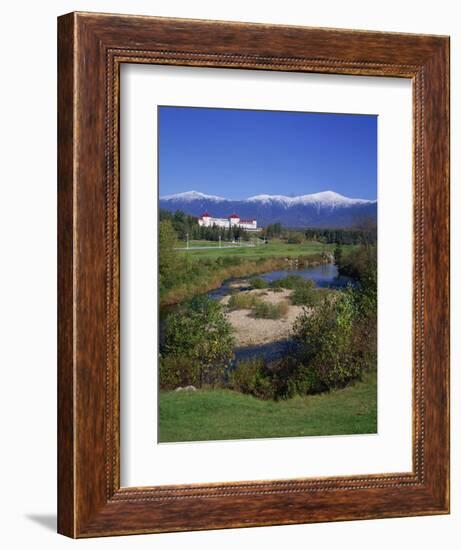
(192,244)
(223,414)
(273,249)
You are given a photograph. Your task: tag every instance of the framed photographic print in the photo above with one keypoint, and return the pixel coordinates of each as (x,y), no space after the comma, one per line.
(253,275)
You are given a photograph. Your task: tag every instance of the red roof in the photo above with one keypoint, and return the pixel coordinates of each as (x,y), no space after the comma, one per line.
(206,215)
(234,216)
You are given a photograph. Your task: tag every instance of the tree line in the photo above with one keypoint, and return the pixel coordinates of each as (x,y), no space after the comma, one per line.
(186,225)
(363,235)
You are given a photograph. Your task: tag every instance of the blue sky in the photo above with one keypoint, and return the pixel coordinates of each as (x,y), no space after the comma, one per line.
(238,153)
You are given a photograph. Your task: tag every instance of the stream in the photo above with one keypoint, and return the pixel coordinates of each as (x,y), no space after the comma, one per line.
(324,276)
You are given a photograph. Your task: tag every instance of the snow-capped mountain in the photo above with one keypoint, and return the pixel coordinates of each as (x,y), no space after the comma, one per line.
(192,196)
(328,199)
(325,209)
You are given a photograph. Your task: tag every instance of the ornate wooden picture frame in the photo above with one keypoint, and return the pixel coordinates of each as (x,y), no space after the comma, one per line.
(92,48)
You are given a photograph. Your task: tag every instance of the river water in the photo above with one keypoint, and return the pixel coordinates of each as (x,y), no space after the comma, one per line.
(324,276)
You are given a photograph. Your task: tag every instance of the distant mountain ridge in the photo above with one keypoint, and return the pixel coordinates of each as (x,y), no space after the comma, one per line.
(324,209)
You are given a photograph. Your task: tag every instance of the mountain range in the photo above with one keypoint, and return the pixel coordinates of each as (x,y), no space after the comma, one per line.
(325,209)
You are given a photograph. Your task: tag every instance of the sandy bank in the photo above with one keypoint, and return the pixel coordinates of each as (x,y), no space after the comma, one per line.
(249,331)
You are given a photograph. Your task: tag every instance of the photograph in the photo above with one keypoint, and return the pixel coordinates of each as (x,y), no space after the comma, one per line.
(267,274)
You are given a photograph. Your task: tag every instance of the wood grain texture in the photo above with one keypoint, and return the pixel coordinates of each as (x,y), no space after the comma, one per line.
(91,49)
(66,487)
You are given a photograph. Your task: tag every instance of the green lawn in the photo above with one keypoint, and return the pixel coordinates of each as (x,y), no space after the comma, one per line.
(273,249)
(193,243)
(223,414)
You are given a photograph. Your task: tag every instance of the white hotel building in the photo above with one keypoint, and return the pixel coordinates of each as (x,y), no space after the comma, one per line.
(232,221)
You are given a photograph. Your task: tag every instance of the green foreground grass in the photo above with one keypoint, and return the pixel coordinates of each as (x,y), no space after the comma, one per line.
(206,415)
(274,248)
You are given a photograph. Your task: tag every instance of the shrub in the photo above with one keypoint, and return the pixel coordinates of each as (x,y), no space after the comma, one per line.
(360,263)
(281,379)
(261,309)
(280,375)
(258,282)
(266,310)
(198,333)
(324,292)
(250,377)
(177,371)
(243,300)
(289,377)
(305,294)
(304,381)
(326,342)
(338,254)
(289,282)
(171,264)
(283,308)
(304,290)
